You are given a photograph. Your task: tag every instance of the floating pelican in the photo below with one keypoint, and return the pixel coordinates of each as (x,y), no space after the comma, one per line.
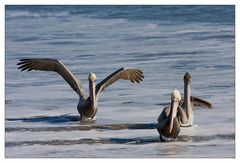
(168,124)
(87,105)
(188,102)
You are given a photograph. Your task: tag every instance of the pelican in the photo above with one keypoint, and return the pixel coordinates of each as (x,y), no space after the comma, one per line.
(87,105)
(188,102)
(168,123)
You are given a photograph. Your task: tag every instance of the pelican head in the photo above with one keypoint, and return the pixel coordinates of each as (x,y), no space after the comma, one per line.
(176,96)
(92,77)
(187,78)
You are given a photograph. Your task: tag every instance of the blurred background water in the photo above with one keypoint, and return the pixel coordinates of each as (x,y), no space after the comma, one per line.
(41,119)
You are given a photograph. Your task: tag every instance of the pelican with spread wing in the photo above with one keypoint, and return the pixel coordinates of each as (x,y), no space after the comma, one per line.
(87,105)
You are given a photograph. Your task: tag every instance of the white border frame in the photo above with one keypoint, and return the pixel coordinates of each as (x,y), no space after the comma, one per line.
(117,2)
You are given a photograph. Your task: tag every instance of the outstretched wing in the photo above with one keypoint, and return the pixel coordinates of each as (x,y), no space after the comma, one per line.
(197,102)
(46,64)
(132,74)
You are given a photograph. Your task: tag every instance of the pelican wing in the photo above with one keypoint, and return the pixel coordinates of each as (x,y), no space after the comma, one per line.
(46,64)
(132,74)
(164,114)
(182,117)
(197,102)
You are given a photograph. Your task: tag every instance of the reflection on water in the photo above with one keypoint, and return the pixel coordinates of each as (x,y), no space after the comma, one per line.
(70,118)
(48,119)
(137,140)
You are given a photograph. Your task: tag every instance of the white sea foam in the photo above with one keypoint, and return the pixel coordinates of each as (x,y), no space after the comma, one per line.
(28,14)
(16,14)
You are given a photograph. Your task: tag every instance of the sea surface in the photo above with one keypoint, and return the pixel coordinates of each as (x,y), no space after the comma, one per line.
(41,118)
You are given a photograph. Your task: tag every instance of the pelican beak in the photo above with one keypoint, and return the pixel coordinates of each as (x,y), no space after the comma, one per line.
(173,115)
(175,99)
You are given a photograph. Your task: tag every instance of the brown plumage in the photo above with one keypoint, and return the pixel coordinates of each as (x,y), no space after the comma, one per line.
(197,102)
(134,75)
(46,64)
(168,123)
(163,125)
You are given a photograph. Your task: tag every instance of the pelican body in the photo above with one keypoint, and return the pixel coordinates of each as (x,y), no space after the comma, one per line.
(87,105)
(168,123)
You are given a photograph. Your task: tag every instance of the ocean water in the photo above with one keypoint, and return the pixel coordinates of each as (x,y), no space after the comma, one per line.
(41,118)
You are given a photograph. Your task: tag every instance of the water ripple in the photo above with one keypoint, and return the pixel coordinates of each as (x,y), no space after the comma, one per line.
(136,141)
(84,127)
(48,119)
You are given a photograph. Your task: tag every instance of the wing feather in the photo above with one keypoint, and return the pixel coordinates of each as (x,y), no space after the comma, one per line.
(47,64)
(132,74)
(197,102)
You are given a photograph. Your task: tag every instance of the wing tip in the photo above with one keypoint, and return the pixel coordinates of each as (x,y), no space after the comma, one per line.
(210,106)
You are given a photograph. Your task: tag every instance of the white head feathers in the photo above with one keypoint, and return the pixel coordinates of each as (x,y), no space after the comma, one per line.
(92,77)
(176,96)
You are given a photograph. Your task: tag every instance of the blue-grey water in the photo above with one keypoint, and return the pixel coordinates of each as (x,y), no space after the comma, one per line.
(41,118)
